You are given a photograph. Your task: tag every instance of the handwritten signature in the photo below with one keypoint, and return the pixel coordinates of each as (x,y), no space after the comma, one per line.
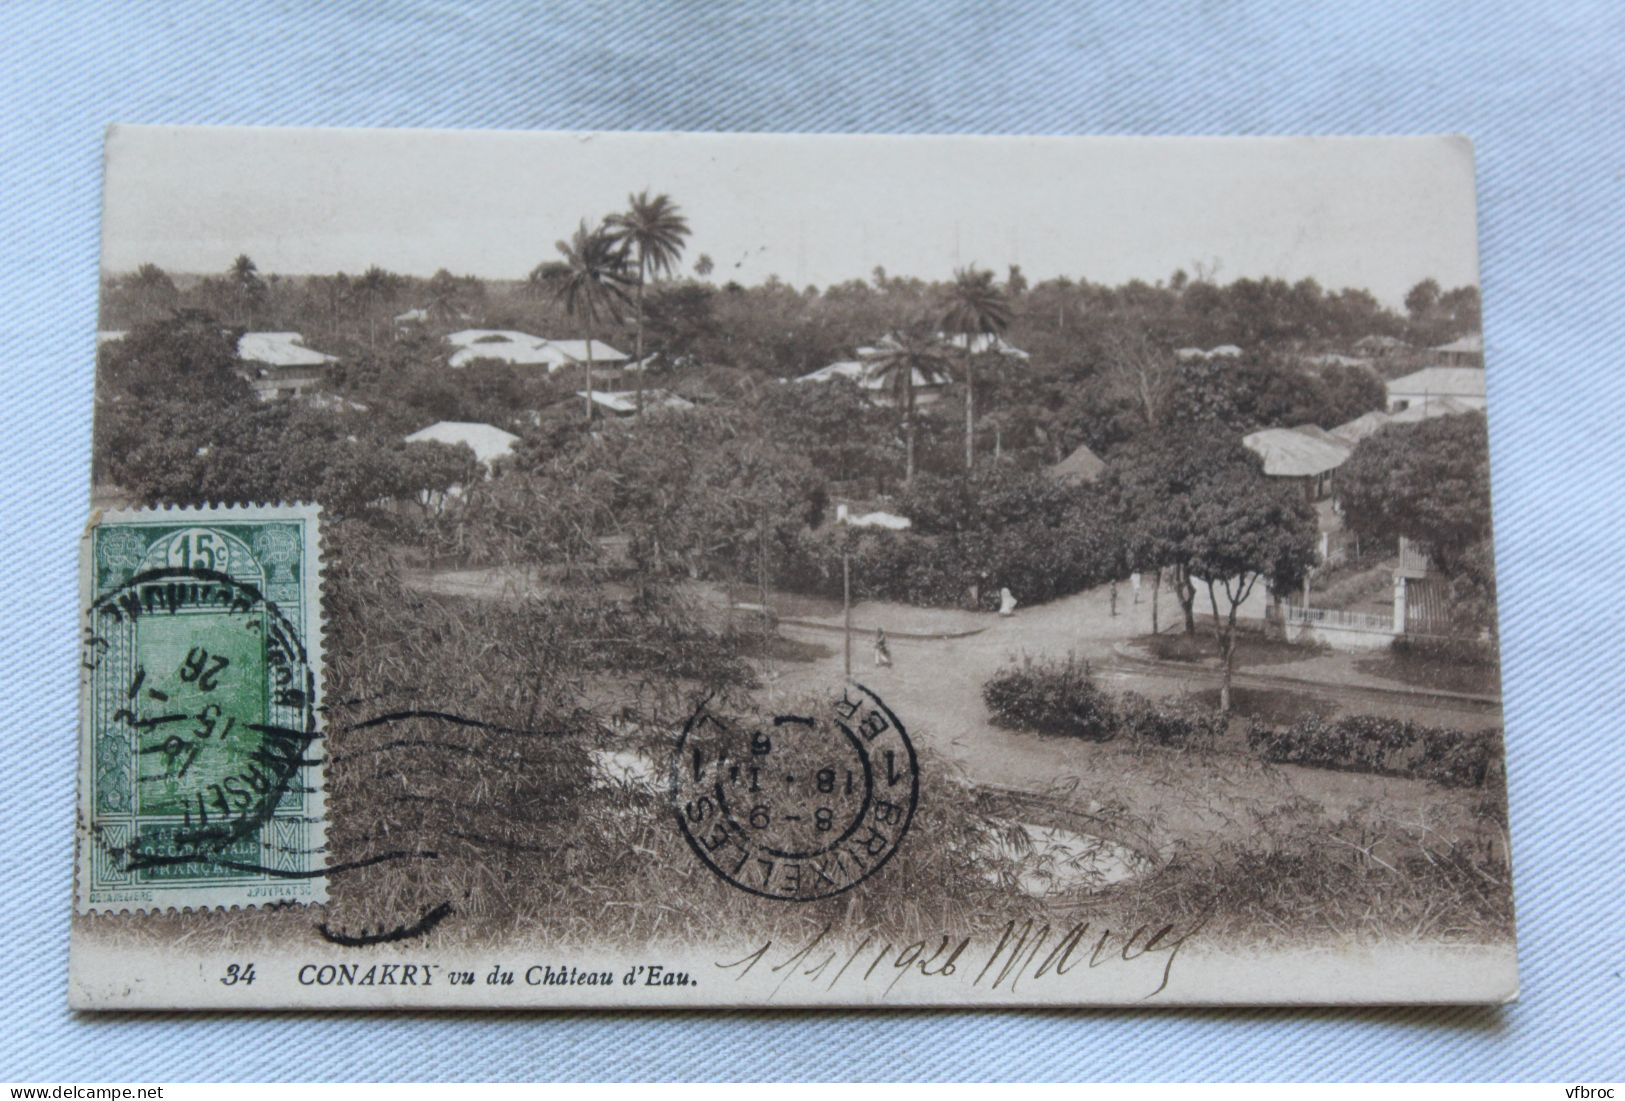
(1028,951)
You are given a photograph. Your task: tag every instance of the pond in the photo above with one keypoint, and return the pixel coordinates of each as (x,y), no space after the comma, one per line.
(1051,860)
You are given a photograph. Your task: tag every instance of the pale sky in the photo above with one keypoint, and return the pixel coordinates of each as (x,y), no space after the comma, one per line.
(1378,213)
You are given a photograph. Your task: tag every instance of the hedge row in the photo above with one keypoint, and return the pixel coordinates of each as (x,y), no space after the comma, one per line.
(1061,697)
(1388,747)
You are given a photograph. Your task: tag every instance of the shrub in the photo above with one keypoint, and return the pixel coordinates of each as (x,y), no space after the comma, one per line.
(1389,747)
(1051,697)
(1172,725)
(1061,697)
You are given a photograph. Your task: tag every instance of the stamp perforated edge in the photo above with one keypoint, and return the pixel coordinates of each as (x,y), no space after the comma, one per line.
(206,898)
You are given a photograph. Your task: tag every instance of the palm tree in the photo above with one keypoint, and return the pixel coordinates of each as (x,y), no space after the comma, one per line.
(900,361)
(976,310)
(245,280)
(594,282)
(444,297)
(655,230)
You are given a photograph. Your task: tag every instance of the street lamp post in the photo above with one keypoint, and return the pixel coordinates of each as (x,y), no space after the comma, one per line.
(848,521)
(846,603)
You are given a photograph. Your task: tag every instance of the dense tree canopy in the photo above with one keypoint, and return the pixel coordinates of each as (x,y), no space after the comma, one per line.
(1428,481)
(734,488)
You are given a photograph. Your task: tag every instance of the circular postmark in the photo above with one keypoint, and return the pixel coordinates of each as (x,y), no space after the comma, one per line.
(204,708)
(801,807)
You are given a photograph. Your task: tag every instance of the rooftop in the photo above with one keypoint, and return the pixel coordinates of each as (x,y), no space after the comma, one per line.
(626,401)
(1433,407)
(487,441)
(1301,452)
(1083,465)
(982,343)
(1466,382)
(524,349)
(280,350)
(577,350)
(860,372)
(1366,424)
(1473,342)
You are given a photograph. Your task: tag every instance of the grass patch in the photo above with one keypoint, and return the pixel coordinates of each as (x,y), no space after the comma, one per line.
(777,647)
(1432,671)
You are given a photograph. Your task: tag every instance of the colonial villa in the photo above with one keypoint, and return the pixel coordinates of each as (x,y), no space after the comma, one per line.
(282,366)
(1461,386)
(1305,455)
(525,350)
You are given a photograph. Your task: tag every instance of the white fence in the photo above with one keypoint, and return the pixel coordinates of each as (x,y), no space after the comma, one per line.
(1335,628)
(1332,617)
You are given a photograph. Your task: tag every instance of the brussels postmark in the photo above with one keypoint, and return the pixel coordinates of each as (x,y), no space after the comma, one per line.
(802,807)
(200,685)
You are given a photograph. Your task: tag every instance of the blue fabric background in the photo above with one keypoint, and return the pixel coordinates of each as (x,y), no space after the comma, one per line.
(1538,86)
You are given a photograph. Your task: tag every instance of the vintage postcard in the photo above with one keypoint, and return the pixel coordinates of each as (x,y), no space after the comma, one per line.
(674,570)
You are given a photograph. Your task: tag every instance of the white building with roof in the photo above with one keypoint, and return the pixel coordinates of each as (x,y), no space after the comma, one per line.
(982,344)
(624,403)
(874,385)
(488,442)
(526,350)
(1306,454)
(928,388)
(1463,385)
(282,366)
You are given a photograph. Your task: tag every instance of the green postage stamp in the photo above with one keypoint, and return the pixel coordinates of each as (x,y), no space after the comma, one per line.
(200,783)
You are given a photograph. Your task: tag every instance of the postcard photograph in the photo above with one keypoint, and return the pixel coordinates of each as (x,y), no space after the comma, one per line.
(671,570)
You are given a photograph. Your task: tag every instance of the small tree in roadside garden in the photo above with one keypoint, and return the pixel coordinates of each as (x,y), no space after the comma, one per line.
(1428,482)
(1243,529)
(1154,484)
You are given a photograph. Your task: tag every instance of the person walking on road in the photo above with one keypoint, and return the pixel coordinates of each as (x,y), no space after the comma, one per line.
(882,649)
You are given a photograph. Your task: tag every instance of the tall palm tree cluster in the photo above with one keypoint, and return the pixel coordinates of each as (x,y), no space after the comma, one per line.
(975,312)
(599,263)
